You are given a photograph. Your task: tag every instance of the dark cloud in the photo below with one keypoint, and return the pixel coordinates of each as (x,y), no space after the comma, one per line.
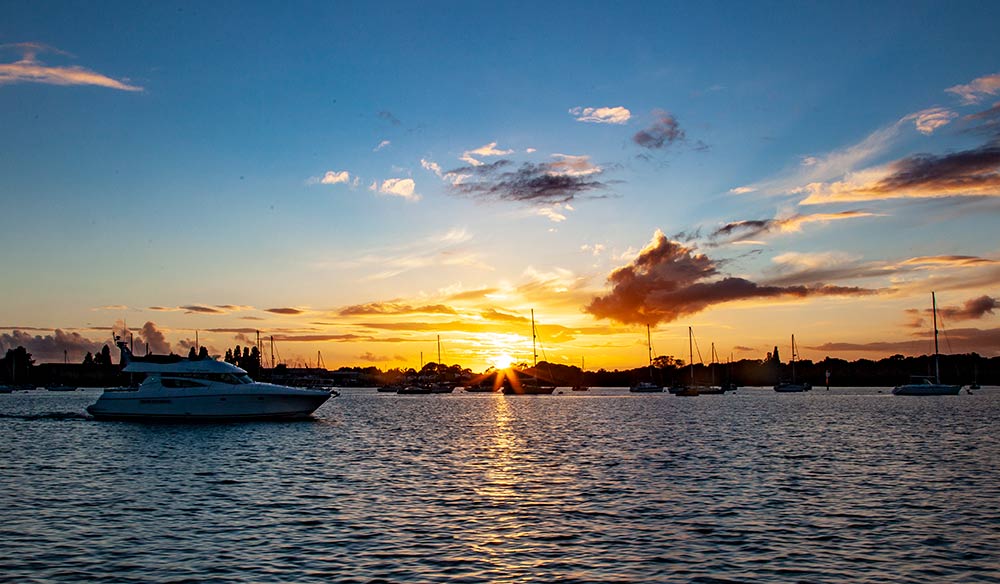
(395,308)
(664,131)
(197,308)
(315,338)
(51,347)
(373,358)
(744,349)
(387,116)
(967,171)
(667,280)
(545,183)
(973,309)
(289,311)
(959,341)
(748,229)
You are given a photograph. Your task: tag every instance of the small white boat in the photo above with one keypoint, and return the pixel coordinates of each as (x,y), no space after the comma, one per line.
(178,389)
(924,385)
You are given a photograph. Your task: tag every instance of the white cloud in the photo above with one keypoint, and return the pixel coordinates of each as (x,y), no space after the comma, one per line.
(601,115)
(431,166)
(595,250)
(332,177)
(399,187)
(530,150)
(30,70)
(742,190)
(975,91)
(551,214)
(487,150)
(450,177)
(382,145)
(931,119)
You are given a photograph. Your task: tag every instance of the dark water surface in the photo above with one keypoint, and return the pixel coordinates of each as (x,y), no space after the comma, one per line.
(839,486)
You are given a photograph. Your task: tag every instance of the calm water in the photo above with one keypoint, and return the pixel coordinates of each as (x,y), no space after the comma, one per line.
(847,485)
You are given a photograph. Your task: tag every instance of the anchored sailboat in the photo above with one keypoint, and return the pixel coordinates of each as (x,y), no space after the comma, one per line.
(925,386)
(647,386)
(529,385)
(792,386)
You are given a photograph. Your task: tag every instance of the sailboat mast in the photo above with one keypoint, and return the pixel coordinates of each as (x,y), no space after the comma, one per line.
(793,358)
(711,365)
(649,348)
(439,349)
(534,352)
(691,352)
(937,370)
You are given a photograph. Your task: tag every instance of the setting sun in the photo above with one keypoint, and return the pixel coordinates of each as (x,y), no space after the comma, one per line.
(502,361)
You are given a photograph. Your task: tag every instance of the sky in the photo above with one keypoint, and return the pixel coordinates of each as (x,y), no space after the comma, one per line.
(355,180)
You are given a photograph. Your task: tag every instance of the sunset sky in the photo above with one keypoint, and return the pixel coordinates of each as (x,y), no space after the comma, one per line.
(357,178)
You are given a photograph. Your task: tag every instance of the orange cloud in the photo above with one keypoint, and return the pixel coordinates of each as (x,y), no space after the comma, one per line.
(30,70)
(668,280)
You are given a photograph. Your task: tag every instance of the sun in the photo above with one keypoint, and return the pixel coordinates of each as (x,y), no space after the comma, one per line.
(502,361)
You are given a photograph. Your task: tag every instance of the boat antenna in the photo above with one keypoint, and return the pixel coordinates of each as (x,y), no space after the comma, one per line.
(196,348)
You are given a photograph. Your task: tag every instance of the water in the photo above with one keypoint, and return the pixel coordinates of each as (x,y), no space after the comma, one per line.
(848,485)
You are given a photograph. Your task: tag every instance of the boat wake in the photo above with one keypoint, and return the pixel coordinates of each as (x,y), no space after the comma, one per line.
(47,416)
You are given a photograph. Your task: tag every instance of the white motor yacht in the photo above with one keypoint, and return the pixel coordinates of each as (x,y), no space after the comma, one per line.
(182,389)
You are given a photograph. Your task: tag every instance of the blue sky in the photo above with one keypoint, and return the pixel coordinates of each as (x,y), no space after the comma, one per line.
(172,155)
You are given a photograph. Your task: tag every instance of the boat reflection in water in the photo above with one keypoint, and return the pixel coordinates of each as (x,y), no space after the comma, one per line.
(179,389)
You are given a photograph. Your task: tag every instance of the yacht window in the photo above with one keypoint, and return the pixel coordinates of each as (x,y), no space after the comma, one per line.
(175,382)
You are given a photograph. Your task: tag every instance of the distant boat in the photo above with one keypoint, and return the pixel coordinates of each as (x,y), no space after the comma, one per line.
(429,383)
(59,387)
(581,386)
(187,390)
(924,385)
(792,386)
(691,389)
(647,386)
(529,385)
(975,377)
(712,388)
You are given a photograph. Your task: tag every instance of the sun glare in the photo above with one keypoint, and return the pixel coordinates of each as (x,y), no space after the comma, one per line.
(502,361)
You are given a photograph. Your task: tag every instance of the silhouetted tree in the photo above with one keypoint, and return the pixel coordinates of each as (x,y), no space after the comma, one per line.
(88,359)
(192,354)
(203,352)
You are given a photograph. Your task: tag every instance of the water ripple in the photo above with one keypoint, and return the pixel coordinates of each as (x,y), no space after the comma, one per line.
(828,487)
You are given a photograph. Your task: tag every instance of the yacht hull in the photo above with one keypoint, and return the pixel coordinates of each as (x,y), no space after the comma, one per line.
(215,407)
(927,389)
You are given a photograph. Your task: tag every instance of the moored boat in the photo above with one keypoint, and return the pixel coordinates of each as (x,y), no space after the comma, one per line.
(179,389)
(923,385)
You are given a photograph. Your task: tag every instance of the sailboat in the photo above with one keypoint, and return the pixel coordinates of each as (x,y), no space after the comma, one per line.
(792,386)
(712,388)
(529,385)
(580,385)
(691,389)
(925,386)
(647,386)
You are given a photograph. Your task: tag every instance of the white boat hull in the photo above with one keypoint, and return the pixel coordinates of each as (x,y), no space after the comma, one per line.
(258,401)
(926,389)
